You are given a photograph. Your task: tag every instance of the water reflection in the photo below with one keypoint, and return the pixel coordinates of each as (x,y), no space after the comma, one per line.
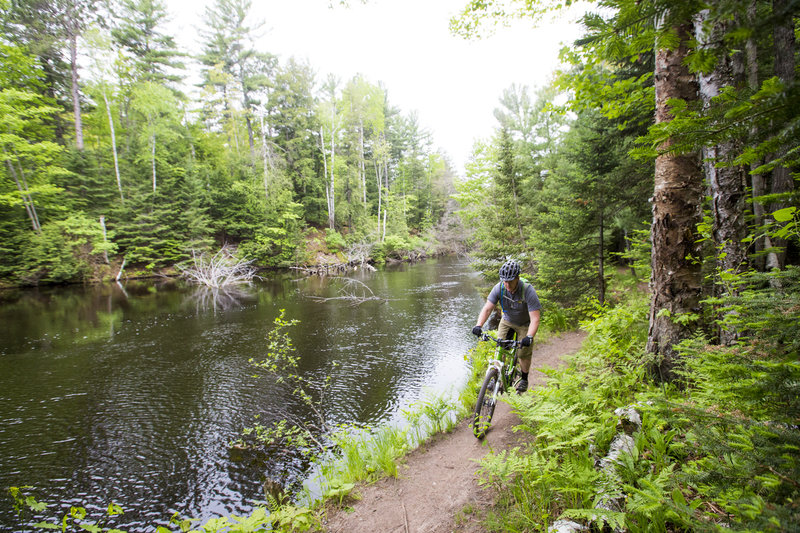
(220,298)
(131,394)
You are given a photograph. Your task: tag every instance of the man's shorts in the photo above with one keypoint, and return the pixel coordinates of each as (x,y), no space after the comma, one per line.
(503,332)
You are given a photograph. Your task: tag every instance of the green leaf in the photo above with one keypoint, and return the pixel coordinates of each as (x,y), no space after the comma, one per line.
(784,215)
(114,509)
(677,497)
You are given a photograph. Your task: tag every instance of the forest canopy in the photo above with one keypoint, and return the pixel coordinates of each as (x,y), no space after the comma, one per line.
(111,161)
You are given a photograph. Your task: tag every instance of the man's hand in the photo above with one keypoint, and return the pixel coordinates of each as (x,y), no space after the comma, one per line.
(477,331)
(527,341)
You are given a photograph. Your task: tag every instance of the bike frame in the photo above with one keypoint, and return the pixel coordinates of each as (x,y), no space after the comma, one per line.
(502,373)
(501,354)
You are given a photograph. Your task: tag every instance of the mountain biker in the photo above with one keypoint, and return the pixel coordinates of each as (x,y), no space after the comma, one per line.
(521,313)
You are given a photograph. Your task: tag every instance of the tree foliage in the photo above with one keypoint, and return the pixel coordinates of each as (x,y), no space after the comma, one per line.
(246,163)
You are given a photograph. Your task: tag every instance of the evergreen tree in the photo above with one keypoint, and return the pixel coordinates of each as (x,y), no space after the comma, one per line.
(139,33)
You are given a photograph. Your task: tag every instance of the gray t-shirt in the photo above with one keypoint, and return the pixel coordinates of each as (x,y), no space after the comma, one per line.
(516,308)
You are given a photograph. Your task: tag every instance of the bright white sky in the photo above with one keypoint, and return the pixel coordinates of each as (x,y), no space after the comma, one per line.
(453,84)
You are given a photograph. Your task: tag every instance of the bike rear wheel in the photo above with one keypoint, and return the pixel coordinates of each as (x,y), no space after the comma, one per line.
(484,406)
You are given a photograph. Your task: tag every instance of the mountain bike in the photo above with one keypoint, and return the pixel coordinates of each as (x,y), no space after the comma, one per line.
(499,378)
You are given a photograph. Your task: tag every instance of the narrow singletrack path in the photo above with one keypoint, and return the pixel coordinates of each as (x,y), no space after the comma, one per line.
(437,490)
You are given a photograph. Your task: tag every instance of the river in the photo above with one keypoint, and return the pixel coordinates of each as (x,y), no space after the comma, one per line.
(131,393)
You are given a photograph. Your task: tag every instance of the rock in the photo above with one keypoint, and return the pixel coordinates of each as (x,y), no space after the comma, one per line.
(630,421)
(566,526)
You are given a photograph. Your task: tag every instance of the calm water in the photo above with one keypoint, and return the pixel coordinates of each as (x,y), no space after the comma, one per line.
(131,393)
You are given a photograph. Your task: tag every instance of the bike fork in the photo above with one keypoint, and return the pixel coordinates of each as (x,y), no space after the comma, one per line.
(499,383)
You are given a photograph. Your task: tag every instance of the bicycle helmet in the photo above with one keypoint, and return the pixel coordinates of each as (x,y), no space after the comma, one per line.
(509,270)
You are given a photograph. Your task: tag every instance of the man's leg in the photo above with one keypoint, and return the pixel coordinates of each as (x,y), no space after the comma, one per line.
(524,355)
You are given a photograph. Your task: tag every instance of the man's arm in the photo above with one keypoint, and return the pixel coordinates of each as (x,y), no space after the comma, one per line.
(488,307)
(534,325)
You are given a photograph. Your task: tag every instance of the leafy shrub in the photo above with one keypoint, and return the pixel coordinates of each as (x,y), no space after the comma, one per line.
(67,250)
(334,240)
(271,246)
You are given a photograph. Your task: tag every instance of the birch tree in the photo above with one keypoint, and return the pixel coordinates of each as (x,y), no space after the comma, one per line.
(329,131)
(102,70)
(160,111)
(29,158)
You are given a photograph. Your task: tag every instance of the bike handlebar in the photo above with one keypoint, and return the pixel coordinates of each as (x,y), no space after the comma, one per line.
(508,344)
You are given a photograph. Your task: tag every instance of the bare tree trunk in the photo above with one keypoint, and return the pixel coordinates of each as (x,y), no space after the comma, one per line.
(784,43)
(725,181)
(379,179)
(601,255)
(758,183)
(516,212)
(76,97)
(267,159)
(105,236)
(27,201)
(248,122)
(113,145)
(676,277)
(361,163)
(153,159)
(332,210)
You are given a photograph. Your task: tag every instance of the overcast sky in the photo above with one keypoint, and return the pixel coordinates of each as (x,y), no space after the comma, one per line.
(453,84)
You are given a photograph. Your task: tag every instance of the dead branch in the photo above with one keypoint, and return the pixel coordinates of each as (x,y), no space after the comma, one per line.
(354,292)
(220,270)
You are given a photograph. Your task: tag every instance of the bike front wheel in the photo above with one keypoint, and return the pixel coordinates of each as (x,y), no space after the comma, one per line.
(484,407)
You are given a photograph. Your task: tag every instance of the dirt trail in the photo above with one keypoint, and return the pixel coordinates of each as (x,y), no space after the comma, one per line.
(437,481)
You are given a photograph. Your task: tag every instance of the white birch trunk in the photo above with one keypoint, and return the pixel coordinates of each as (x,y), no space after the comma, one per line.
(328,190)
(105,236)
(153,158)
(332,211)
(27,201)
(113,145)
(267,159)
(76,97)
(379,179)
(361,164)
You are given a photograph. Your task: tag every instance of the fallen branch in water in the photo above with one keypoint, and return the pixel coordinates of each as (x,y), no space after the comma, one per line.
(350,292)
(220,270)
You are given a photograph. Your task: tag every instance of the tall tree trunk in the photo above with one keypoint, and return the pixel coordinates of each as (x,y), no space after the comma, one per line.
(676,278)
(267,158)
(153,158)
(725,181)
(784,43)
(247,109)
(332,211)
(379,180)
(76,97)
(113,145)
(361,162)
(758,182)
(105,236)
(27,201)
(601,255)
(328,187)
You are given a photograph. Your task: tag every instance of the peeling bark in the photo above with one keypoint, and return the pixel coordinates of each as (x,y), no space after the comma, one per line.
(676,278)
(725,181)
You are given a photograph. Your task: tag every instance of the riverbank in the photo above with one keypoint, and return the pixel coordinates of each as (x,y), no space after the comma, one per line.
(320,253)
(437,490)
